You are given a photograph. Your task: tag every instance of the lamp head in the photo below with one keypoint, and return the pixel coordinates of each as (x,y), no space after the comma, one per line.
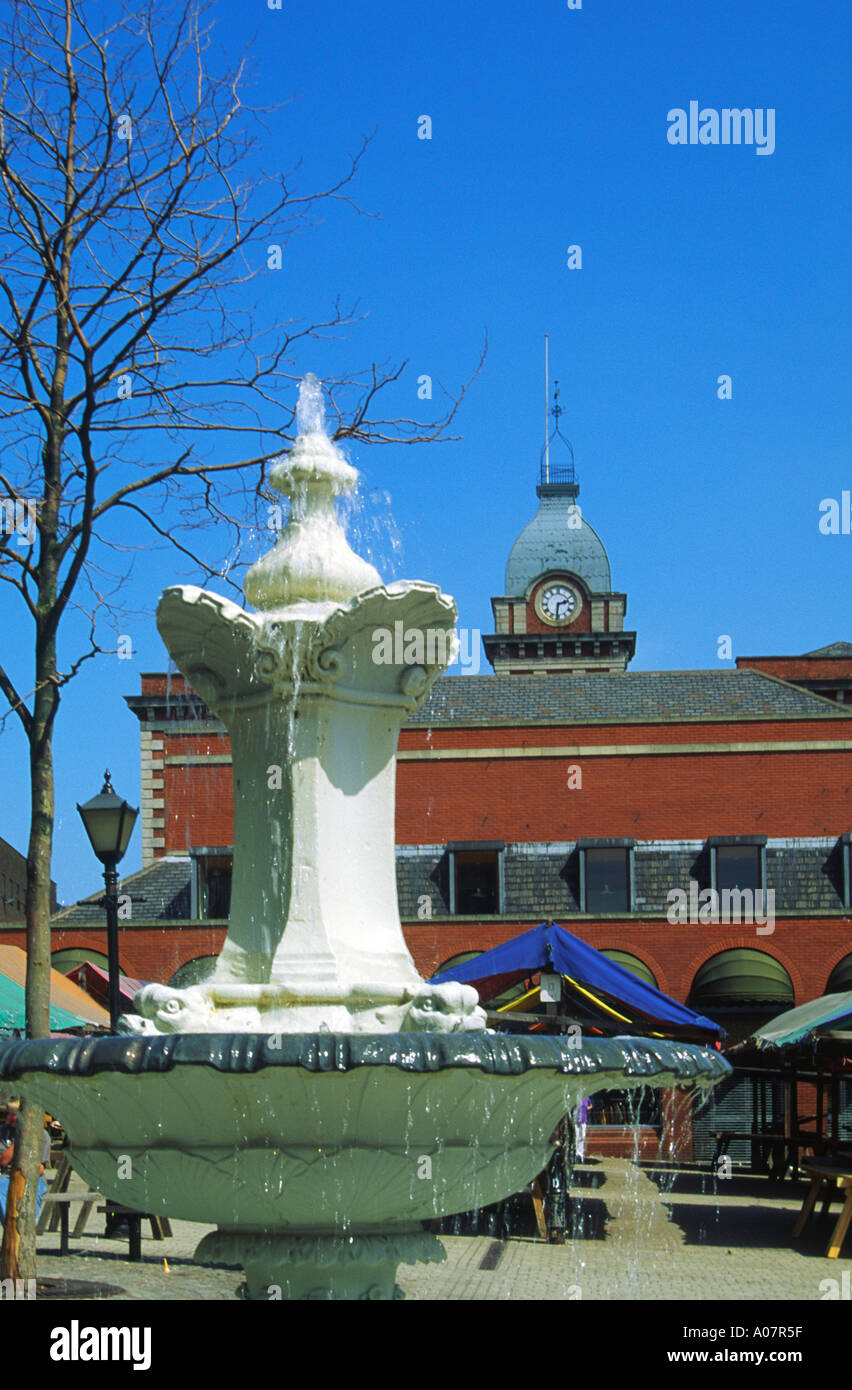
(109,822)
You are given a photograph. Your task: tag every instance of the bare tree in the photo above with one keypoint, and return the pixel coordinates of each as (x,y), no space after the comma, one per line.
(134,216)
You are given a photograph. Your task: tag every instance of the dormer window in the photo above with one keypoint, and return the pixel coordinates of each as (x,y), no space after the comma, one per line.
(737,862)
(846,868)
(606,876)
(211,883)
(476,878)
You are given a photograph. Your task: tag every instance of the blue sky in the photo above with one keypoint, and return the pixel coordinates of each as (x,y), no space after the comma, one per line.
(549,128)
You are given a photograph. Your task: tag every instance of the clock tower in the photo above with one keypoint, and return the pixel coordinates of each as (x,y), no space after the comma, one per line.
(559,614)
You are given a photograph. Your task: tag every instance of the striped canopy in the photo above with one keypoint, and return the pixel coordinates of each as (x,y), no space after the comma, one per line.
(812,1020)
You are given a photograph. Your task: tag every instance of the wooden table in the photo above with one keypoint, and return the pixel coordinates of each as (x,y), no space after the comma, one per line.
(837,1173)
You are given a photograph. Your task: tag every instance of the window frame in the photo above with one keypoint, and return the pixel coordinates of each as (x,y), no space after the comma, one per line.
(845,843)
(455,847)
(757,842)
(204,857)
(629,848)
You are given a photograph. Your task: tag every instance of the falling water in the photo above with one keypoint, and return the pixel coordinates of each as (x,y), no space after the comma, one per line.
(371,529)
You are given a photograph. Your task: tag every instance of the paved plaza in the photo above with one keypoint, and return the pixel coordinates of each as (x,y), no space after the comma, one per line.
(639,1232)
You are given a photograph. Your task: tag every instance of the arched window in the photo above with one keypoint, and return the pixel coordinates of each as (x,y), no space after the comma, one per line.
(194,972)
(840,979)
(741,988)
(636,966)
(63,961)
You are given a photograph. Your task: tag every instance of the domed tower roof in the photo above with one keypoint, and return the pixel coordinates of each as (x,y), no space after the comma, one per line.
(557,538)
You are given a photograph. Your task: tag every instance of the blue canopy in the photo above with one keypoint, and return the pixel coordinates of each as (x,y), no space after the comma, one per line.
(597,987)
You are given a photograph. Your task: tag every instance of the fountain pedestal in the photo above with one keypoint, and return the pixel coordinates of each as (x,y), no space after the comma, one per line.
(313,696)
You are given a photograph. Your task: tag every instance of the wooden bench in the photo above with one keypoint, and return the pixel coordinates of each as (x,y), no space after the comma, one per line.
(837,1174)
(775,1165)
(54,1213)
(55,1206)
(780,1147)
(160,1226)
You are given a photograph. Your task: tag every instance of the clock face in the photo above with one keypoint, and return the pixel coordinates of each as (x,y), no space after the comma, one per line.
(558,602)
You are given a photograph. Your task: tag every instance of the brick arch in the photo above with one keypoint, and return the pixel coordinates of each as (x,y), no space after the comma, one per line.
(444,964)
(645,956)
(81,939)
(747,942)
(834,958)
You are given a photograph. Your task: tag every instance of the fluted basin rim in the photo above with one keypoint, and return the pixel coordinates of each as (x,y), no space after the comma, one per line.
(498,1054)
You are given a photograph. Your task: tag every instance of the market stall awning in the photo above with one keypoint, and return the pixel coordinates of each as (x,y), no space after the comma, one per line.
(829,1013)
(597,991)
(95,982)
(70,1006)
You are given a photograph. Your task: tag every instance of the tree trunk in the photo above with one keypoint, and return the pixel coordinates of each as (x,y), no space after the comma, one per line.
(18,1253)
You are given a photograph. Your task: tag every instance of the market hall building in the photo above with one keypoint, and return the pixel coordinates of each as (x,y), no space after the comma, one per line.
(693,825)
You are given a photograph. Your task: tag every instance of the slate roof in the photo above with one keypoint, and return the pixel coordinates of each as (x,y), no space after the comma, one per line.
(834,649)
(665,696)
(539,880)
(158,893)
(543,880)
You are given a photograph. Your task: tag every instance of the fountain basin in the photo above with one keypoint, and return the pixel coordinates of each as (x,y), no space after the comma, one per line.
(281,1138)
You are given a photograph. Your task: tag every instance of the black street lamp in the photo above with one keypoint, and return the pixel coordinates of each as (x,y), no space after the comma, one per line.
(109,823)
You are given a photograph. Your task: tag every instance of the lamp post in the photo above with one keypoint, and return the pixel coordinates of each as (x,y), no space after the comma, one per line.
(109,823)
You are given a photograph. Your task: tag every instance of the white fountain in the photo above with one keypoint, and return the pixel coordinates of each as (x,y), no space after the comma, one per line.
(315,1098)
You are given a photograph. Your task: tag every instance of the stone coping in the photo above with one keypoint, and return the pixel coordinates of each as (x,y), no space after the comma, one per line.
(339,1052)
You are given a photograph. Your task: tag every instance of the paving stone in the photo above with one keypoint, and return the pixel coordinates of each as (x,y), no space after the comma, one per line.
(654,1233)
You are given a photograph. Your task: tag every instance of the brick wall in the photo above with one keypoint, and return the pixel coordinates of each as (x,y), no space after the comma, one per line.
(684,796)
(798,668)
(807,948)
(145,952)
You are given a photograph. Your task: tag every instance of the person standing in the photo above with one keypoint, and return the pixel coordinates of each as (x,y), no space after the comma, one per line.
(8,1131)
(581,1116)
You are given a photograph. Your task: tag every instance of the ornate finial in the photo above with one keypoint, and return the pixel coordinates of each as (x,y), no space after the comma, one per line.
(557,408)
(557,474)
(311,559)
(107,786)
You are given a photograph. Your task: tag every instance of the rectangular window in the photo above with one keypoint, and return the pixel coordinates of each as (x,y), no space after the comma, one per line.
(476,878)
(210,884)
(737,861)
(846,859)
(738,866)
(606,876)
(217,888)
